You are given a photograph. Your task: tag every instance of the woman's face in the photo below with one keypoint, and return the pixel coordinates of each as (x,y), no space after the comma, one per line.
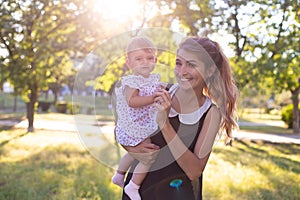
(189,70)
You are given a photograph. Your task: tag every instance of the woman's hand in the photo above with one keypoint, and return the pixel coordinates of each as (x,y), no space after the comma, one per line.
(145,152)
(163,103)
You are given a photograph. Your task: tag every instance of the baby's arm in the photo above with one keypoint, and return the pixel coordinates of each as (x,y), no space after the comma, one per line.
(134,100)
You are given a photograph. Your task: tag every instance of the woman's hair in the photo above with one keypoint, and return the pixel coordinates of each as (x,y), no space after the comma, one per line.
(220,85)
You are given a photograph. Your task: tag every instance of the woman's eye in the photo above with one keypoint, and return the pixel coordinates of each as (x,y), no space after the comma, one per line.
(178,63)
(192,65)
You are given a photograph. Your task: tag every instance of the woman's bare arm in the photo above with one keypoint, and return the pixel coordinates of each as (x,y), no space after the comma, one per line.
(192,163)
(144,152)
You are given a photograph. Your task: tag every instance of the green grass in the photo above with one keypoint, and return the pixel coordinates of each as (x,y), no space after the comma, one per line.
(33,168)
(263,122)
(251,171)
(267,129)
(88,104)
(42,166)
(7,101)
(13,116)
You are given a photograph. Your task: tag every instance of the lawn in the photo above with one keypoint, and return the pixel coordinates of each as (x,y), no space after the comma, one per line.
(54,165)
(262,122)
(251,171)
(39,166)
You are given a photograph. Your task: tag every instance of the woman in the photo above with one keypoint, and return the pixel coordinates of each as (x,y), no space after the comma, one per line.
(190,115)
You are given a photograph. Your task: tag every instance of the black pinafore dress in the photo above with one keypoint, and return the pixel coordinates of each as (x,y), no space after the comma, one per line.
(166,180)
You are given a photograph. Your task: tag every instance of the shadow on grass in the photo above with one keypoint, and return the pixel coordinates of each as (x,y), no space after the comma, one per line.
(8,121)
(253,149)
(13,138)
(279,164)
(61,172)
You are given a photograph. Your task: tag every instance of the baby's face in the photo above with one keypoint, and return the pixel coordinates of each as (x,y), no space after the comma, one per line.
(141,62)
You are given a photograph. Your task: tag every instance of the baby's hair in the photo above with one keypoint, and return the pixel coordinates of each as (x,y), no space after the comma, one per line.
(138,43)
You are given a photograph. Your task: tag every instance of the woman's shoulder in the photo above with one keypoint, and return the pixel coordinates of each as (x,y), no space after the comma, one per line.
(214,114)
(214,109)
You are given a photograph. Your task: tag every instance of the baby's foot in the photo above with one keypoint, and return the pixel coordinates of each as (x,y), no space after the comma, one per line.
(118,179)
(132,190)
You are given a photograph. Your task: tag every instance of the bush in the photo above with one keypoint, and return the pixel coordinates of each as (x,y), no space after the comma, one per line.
(61,106)
(287,115)
(74,108)
(44,105)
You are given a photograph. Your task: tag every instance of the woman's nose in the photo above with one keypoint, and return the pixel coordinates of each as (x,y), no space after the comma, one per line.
(183,69)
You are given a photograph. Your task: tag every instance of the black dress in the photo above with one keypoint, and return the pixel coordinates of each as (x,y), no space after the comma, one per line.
(166,180)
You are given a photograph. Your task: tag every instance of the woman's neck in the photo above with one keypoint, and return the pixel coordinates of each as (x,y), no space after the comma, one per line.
(187,101)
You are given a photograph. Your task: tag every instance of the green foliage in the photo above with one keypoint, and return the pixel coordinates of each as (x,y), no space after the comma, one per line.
(7,101)
(73,107)
(287,115)
(61,106)
(110,62)
(41,40)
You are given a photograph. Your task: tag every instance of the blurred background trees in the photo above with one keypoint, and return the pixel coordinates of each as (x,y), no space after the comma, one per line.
(42,43)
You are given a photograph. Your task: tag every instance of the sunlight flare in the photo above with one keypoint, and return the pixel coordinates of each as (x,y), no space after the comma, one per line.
(119,9)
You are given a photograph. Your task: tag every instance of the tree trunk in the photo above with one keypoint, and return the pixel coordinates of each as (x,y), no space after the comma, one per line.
(296,120)
(55,96)
(15,103)
(30,108)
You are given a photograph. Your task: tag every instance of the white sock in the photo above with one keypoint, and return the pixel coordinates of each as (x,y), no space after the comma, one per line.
(132,190)
(118,179)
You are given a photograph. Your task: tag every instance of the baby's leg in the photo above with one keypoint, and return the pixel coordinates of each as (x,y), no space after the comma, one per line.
(123,167)
(139,174)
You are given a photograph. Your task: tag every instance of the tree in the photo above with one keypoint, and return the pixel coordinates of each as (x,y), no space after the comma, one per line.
(39,37)
(281,55)
(263,34)
(266,45)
